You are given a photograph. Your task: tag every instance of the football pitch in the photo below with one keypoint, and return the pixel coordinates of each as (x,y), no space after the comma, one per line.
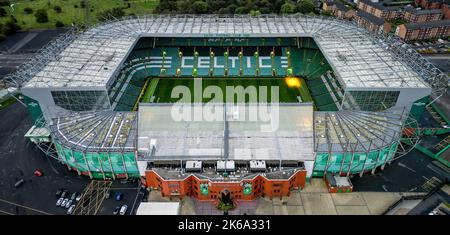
(161,90)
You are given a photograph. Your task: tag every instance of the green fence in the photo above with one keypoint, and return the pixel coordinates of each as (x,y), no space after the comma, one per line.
(100,164)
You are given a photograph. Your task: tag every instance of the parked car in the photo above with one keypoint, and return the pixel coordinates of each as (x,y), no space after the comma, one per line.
(60,200)
(108,194)
(74,195)
(123,210)
(65,193)
(59,192)
(19,183)
(38,173)
(68,204)
(78,198)
(70,210)
(63,204)
(119,196)
(116,211)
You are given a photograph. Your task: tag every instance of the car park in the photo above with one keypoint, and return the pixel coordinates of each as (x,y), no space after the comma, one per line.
(60,200)
(63,204)
(68,204)
(71,209)
(123,210)
(116,210)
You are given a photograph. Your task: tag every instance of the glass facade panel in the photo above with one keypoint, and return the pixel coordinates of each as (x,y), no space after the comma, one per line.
(353,162)
(81,100)
(372,100)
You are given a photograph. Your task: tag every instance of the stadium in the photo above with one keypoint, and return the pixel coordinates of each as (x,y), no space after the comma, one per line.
(347,100)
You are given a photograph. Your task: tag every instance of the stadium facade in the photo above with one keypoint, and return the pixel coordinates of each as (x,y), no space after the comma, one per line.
(100,99)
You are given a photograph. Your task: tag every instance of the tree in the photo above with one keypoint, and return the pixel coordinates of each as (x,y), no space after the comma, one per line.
(59,24)
(3,12)
(28,10)
(255,13)
(5,3)
(10,27)
(41,16)
(57,9)
(305,6)
(200,7)
(288,8)
(117,12)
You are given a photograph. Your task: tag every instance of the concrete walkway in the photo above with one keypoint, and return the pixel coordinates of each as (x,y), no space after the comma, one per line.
(313,200)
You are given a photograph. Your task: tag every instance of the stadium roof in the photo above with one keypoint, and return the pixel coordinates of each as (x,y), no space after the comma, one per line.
(94,57)
(92,131)
(357,131)
(288,130)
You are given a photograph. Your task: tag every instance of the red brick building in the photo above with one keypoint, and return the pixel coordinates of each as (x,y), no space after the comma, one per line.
(372,23)
(276,184)
(413,15)
(379,10)
(429,4)
(339,10)
(424,30)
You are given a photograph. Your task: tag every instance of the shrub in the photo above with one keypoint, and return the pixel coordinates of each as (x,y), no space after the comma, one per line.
(115,12)
(28,10)
(10,27)
(3,12)
(5,3)
(57,9)
(200,7)
(41,16)
(59,24)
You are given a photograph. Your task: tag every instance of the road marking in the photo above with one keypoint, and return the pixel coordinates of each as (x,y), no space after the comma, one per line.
(135,199)
(425,178)
(405,166)
(26,207)
(5,212)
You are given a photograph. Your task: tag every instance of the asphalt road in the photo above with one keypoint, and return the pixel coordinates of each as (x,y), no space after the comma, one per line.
(428,205)
(19,158)
(16,49)
(406,174)
(442,61)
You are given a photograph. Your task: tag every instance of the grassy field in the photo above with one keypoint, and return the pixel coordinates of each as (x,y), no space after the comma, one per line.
(161,89)
(7,103)
(70,13)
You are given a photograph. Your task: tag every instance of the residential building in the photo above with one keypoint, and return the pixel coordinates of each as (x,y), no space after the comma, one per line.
(423,30)
(372,23)
(414,15)
(339,10)
(379,10)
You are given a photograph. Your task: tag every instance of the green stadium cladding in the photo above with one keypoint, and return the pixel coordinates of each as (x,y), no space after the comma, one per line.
(358,123)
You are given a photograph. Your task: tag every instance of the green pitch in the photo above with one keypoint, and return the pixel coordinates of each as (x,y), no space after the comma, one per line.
(159,90)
